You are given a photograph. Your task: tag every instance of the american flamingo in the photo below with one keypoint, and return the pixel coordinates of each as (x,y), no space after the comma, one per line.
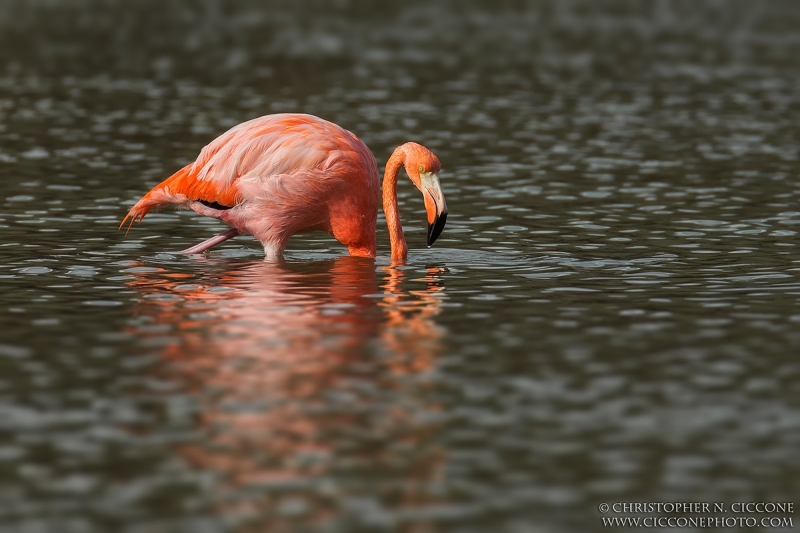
(278,175)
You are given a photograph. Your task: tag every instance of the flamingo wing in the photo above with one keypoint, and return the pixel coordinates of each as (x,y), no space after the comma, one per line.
(267,146)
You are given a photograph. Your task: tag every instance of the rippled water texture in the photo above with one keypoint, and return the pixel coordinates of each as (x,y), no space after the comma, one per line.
(612,313)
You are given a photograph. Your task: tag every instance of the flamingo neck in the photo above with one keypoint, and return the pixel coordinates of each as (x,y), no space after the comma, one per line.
(396,237)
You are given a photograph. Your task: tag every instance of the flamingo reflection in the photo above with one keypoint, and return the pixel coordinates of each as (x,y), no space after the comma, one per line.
(305,376)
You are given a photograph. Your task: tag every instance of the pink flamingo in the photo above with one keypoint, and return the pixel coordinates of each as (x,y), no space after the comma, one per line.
(278,175)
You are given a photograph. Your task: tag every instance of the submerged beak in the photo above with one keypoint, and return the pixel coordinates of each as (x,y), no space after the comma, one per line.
(434,205)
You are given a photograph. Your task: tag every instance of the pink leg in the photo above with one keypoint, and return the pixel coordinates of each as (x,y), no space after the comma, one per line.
(213,241)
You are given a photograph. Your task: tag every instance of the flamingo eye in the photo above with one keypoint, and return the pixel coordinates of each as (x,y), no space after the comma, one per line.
(421,169)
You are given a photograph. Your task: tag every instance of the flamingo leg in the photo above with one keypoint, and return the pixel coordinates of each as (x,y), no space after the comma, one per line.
(213,241)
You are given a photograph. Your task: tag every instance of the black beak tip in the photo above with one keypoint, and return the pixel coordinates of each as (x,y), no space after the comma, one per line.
(435,229)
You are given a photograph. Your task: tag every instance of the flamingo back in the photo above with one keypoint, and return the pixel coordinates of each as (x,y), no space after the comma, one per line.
(272,145)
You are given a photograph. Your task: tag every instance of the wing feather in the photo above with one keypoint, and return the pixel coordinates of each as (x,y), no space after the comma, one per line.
(265,146)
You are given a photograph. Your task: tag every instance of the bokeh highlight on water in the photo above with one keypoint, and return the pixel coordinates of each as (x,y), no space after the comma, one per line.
(611,313)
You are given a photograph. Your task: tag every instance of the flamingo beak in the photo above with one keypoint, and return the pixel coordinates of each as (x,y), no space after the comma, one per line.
(434,205)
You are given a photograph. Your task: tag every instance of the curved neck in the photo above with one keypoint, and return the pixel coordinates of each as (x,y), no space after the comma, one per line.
(396,237)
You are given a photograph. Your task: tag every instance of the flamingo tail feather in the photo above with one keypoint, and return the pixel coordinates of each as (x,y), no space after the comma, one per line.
(160,195)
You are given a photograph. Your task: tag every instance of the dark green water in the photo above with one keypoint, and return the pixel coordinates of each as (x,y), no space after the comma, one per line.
(612,313)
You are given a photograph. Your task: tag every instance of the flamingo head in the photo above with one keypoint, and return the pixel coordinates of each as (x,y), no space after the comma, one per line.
(423,168)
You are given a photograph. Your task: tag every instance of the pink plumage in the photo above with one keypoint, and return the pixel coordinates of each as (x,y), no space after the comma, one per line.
(278,175)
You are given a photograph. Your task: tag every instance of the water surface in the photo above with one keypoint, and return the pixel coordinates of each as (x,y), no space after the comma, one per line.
(611,314)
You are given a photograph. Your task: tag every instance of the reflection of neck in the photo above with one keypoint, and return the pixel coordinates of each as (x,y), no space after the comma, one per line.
(411,331)
(396,237)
